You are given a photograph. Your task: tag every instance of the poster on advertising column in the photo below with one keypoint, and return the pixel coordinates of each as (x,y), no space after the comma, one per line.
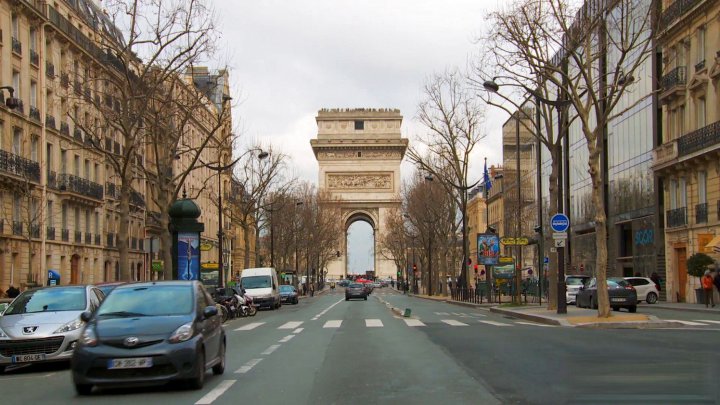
(488,248)
(188,256)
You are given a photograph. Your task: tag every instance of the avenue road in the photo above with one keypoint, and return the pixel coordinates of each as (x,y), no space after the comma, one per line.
(329,351)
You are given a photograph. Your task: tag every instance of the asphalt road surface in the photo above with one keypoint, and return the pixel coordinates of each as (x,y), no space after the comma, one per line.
(329,351)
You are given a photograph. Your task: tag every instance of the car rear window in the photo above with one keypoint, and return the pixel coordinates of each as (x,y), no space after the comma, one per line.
(153,300)
(575,281)
(49,299)
(286,288)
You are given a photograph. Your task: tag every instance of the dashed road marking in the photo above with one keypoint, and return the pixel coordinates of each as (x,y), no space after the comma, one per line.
(298,330)
(215,393)
(413,322)
(251,326)
(332,324)
(453,322)
(286,338)
(495,323)
(270,349)
(707,320)
(248,366)
(290,325)
(373,323)
(441,313)
(326,309)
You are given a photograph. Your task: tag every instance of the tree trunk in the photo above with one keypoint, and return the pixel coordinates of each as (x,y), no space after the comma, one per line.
(246,243)
(555,194)
(166,246)
(600,228)
(122,240)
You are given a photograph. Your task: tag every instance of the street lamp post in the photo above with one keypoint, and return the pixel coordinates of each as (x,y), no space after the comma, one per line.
(297,270)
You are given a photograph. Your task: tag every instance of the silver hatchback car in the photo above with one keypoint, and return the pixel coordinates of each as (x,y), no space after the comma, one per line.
(43,324)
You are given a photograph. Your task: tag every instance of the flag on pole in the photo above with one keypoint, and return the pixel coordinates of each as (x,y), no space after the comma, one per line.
(486,178)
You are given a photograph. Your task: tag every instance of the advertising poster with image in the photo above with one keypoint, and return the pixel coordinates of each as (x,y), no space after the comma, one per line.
(488,248)
(188,256)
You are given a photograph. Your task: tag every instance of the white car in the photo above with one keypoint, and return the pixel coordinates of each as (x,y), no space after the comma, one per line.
(646,289)
(573,282)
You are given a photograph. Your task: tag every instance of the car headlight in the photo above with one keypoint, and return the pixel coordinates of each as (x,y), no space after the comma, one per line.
(89,337)
(2,334)
(70,326)
(182,333)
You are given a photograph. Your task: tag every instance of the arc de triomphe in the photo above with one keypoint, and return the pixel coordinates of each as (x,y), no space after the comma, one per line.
(359,152)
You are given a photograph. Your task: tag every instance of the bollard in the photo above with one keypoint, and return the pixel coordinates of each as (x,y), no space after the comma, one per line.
(407,312)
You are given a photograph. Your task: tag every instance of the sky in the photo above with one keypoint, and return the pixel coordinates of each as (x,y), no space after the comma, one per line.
(290,58)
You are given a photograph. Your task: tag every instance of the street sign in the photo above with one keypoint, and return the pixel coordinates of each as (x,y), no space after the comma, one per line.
(507,241)
(546,260)
(559,243)
(510,241)
(560,222)
(559,235)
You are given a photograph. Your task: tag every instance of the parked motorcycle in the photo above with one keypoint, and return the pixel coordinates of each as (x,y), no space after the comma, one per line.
(246,304)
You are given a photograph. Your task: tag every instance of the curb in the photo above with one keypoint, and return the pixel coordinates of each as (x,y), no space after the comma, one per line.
(654,322)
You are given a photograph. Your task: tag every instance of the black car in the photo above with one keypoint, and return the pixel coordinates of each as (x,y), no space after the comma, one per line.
(356,290)
(622,294)
(150,333)
(288,294)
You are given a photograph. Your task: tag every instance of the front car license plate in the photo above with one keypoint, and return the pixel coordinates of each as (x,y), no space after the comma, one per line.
(135,362)
(618,300)
(25,358)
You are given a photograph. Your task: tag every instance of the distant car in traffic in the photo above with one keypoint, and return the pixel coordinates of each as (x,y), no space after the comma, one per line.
(356,290)
(343,283)
(288,294)
(43,324)
(622,294)
(573,283)
(150,333)
(646,289)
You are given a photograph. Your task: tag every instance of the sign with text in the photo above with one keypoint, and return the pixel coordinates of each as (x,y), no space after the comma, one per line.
(488,248)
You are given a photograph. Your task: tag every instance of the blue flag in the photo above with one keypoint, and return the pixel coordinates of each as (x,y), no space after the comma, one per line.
(486,179)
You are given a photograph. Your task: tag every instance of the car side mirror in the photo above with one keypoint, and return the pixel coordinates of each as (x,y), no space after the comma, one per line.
(210,311)
(86,316)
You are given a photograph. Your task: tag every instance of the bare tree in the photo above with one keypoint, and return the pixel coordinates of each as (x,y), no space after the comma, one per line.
(394,243)
(453,117)
(588,58)
(28,213)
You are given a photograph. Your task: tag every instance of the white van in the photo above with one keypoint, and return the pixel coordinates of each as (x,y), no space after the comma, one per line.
(262,285)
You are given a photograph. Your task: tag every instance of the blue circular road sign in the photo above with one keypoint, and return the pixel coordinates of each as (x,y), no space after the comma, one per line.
(559,222)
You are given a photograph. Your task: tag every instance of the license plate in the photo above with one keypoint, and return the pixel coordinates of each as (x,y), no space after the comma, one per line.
(617,299)
(25,358)
(135,362)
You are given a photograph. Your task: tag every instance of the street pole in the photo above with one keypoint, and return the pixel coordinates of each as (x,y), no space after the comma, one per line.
(430,282)
(538,179)
(221,269)
(518,265)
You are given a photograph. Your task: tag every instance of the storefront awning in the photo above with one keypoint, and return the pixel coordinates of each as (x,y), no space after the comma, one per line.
(714,244)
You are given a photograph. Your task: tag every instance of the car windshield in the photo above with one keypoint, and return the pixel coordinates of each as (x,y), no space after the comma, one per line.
(575,281)
(256,282)
(155,300)
(49,299)
(287,288)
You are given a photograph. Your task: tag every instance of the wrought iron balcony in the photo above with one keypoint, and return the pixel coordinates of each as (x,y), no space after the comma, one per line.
(675,11)
(17,228)
(78,237)
(701,213)
(65,128)
(97,239)
(49,70)
(700,66)
(19,166)
(110,240)
(35,114)
(77,134)
(16,46)
(676,217)
(78,185)
(152,218)
(35,231)
(20,109)
(88,238)
(51,233)
(50,121)
(699,139)
(137,199)
(676,77)
(65,80)
(65,235)
(34,58)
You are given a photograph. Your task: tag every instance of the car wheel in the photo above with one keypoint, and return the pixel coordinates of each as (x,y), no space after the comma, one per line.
(83,389)
(632,309)
(199,380)
(651,298)
(219,368)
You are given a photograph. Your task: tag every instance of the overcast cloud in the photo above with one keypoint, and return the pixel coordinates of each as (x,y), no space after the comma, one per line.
(290,58)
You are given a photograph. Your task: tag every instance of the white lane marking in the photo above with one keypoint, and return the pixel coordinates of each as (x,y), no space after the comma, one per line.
(441,313)
(495,323)
(688,323)
(326,309)
(373,323)
(332,324)
(270,349)
(215,393)
(286,338)
(25,376)
(251,326)
(707,320)
(248,366)
(290,325)
(458,314)
(453,322)
(535,324)
(413,322)
(298,330)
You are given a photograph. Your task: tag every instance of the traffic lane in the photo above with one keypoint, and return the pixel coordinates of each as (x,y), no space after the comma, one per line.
(573,364)
(670,314)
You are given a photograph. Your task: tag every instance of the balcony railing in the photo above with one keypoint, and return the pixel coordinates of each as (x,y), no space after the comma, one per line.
(110,190)
(78,185)
(19,166)
(65,234)
(35,114)
(702,138)
(50,121)
(65,128)
(88,238)
(152,218)
(34,58)
(137,199)
(51,233)
(700,66)
(676,217)
(35,231)
(97,239)
(77,88)
(78,237)
(701,213)
(110,240)
(77,134)
(676,77)
(86,94)
(675,11)
(65,80)
(16,46)
(17,228)
(49,70)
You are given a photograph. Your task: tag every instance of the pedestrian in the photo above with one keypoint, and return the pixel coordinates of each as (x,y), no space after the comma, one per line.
(12,292)
(656,279)
(716,279)
(707,285)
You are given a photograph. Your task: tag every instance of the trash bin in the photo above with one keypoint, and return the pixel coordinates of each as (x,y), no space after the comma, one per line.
(407,312)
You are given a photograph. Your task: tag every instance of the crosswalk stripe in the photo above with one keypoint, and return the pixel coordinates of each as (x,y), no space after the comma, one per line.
(248,366)
(707,320)
(373,323)
(534,324)
(290,325)
(688,323)
(332,324)
(453,322)
(251,326)
(495,323)
(413,322)
(298,330)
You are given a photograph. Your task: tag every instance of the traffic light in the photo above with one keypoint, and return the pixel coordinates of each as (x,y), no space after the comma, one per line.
(398,273)
(414,267)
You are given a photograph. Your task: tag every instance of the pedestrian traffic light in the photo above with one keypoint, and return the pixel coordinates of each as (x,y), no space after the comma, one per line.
(398,273)
(414,267)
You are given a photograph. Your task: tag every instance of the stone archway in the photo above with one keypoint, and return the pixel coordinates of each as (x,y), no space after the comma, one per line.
(359,152)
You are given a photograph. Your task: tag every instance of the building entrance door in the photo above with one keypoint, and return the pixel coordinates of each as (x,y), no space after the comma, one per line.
(681,255)
(75,270)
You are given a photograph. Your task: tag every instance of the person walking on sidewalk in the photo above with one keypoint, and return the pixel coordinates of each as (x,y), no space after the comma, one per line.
(707,285)
(716,279)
